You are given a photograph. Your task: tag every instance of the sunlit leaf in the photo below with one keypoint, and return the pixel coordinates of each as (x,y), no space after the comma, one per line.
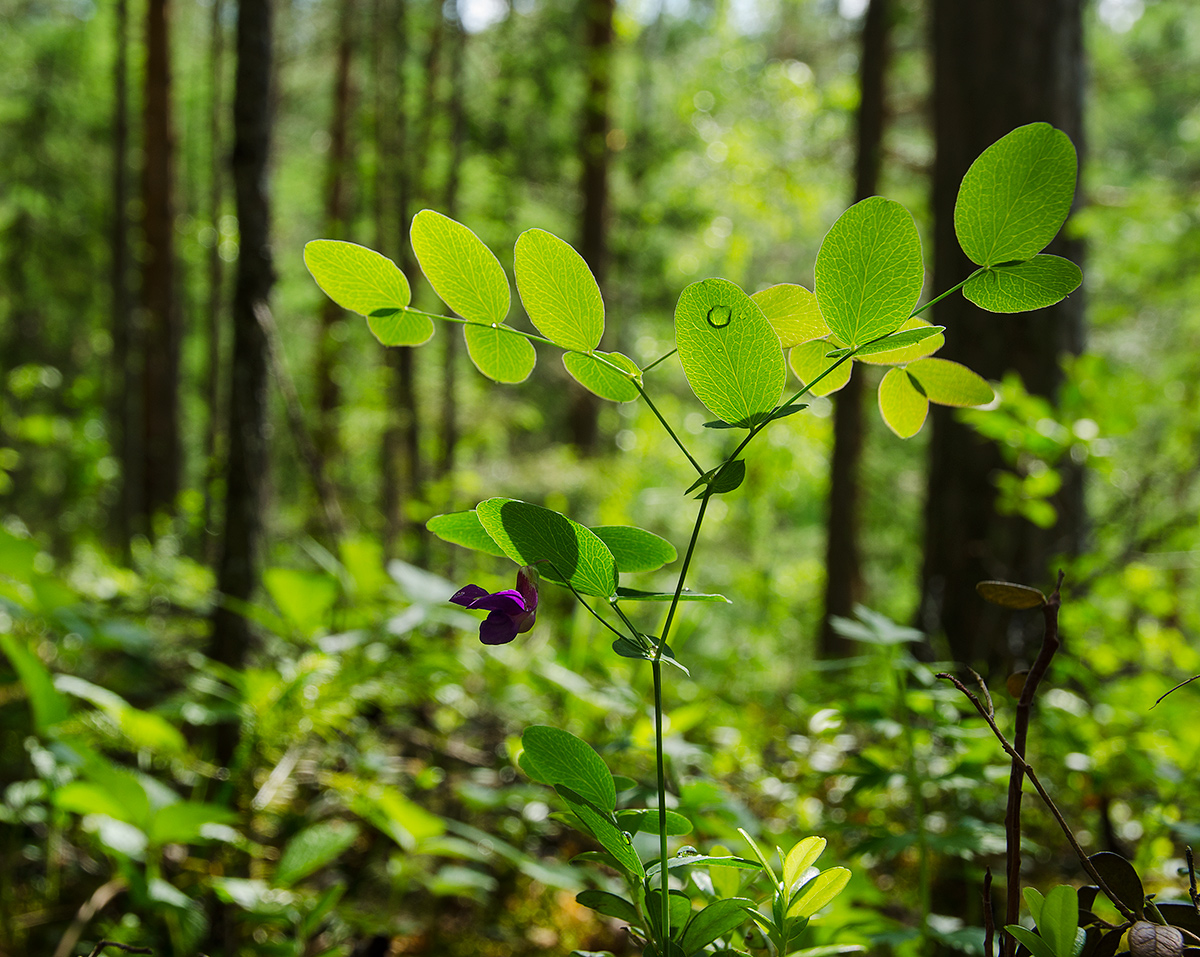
(949,383)
(313,848)
(635,549)
(356,278)
(554,757)
(792,312)
(1036,284)
(558,291)
(915,339)
(595,373)
(465,529)
(902,406)
(869,270)
(729,352)
(499,352)
(464,273)
(1016,195)
(819,892)
(808,362)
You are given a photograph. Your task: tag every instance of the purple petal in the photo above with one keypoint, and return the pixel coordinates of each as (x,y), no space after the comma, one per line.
(527,579)
(507,602)
(497,629)
(468,594)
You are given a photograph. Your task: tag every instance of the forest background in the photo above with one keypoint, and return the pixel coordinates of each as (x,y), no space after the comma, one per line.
(141,478)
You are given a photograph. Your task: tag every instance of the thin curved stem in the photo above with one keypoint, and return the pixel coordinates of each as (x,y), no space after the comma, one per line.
(659,360)
(950,291)
(670,431)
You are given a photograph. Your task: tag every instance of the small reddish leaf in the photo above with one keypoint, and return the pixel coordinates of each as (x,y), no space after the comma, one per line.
(1010,595)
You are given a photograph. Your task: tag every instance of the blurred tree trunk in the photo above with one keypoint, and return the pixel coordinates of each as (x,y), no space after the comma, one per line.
(843,561)
(216,269)
(457,135)
(237,571)
(593,187)
(124,397)
(401,438)
(998,64)
(326,438)
(160,353)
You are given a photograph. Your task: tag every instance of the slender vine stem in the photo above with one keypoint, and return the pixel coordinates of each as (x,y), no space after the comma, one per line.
(660,359)
(670,431)
(951,290)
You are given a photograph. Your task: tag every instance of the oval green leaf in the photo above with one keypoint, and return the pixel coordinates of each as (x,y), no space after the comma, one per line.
(808,361)
(599,823)
(635,549)
(567,552)
(1010,595)
(646,820)
(554,757)
(1016,195)
(729,352)
(1021,287)
(903,408)
(400,327)
(800,858)
(716,920)
(356,278)
(595,373)
(1060,920)
(869,271)
(819,892)
(465,529)
(499,352)
(949,383)
(463,272)
(558,291)
(916,339)
(610,905)
(792,312)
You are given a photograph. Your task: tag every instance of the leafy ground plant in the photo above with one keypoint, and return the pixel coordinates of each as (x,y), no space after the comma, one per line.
(735,350)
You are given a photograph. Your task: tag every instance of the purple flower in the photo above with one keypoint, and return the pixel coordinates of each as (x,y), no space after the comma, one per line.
(513,611)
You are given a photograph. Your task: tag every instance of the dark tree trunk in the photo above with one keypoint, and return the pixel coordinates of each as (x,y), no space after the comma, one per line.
(843,562)
(238,569)
(593,186)
(160,353)
(124,399)
(998,64)
(326,438)
(449,429)
(216,269)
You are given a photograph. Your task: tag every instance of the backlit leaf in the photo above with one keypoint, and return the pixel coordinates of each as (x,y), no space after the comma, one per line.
(400,327)
(465,529)
(808,362)
(558,291)
(1010,595)
(563,550)
(729,352)
(48,706)
(499,352)
(356,278)
(819,892)
(949,383)
(314,848)
(800,858)
(792,312)
(1016,195)
(916,339)
(903,408)
(635,549)
(1036,284)
(463,272)
(595,373)
(869,270)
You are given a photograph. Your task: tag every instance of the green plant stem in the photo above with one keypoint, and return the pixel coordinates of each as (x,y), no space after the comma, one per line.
(670,431)
(664,876)
(660,359)
(950,291)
